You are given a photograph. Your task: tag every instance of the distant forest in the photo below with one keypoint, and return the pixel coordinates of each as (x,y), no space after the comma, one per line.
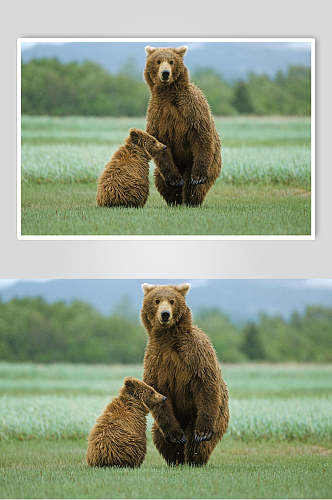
(32,329)
(50,87)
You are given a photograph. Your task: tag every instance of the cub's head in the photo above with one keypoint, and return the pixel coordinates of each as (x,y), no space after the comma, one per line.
(142,392)
(163,306)
(146,141)
(164,65)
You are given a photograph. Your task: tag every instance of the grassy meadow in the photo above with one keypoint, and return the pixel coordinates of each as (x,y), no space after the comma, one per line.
(264,188)
(278,445)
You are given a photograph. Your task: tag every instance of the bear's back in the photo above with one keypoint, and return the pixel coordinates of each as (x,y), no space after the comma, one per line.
(118,437)
(125,179)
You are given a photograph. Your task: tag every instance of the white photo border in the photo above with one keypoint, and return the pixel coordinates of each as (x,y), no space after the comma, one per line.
(310,40)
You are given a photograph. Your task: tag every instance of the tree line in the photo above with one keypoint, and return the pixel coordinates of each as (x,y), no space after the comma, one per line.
(50,87)
(32,329)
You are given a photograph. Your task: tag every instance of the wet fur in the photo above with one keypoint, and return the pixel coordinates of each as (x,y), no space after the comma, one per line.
(181,363)
(125,179)
(179,116)
(118,439)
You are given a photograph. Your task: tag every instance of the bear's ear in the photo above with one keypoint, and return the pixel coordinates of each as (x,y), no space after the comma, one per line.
(181,50)
(129,385)
(149,50)
(183,289)
(133,135)
(147,288)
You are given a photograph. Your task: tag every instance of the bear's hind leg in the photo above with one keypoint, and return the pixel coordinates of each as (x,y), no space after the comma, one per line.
(172,194)
(194,195)
(173,453)
(198,454)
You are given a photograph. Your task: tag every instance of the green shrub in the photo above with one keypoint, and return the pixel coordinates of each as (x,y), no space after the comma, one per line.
(50,87)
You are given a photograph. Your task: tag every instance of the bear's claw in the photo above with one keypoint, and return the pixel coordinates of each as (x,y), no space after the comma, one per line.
(182,440)
(203,437)
(198,180)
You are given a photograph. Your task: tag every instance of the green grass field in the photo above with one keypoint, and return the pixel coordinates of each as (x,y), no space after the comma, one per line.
(264,188)
(279,442)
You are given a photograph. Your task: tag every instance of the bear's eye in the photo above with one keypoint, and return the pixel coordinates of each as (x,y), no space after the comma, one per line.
(157,301)
(171,62)
(171,301)
(159,61)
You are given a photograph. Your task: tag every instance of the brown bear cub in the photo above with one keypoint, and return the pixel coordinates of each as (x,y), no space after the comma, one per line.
(118,439)
(181,363)
(179,116)
(125,179)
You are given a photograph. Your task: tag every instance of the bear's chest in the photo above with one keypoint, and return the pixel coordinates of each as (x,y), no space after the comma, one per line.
(173,126)
(173,372)
(174,131)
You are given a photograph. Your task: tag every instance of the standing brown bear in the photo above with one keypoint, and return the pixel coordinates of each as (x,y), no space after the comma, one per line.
(125,179)
(118,439)
(180,117)
(181,363)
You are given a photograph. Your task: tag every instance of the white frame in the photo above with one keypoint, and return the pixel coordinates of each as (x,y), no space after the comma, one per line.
(168,237)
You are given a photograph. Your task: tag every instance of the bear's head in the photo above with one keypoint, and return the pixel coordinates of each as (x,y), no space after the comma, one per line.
(146,141)
(144,393)
(164,66)
(163,305)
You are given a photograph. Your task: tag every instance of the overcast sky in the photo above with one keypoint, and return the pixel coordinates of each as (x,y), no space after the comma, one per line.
(293,45)
(315,283)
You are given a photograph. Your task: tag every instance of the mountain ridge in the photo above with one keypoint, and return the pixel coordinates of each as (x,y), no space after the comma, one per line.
(233,60)
(241,300)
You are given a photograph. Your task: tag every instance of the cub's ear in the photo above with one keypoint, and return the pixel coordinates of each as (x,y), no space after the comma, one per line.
(147,288)
(181,50)
(129,385)
(149,50)
(183,289)
(133,134)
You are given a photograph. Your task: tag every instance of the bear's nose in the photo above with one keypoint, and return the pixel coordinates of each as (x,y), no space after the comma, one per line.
(165,147)
(164,398)
(165,316)
(165,75)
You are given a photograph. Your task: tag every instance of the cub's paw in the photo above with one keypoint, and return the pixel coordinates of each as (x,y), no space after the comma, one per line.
(198,179)
(176,436)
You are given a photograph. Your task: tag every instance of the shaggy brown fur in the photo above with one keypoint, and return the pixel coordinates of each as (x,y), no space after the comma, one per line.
(181,363)
(118,438)
(125,179)
(180,117)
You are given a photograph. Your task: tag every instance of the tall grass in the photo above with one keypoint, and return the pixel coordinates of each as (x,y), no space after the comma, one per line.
(67,150)
(241,165)
(60,417)
(282,402)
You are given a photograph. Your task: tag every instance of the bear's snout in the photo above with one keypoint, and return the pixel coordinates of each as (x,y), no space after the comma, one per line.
(165,315)
(164,147)
(165,72)
(164,398)
(165,75)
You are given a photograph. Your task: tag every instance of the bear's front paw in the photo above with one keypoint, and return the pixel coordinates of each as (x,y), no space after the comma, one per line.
(198,179)
(176,436)
(203,433)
